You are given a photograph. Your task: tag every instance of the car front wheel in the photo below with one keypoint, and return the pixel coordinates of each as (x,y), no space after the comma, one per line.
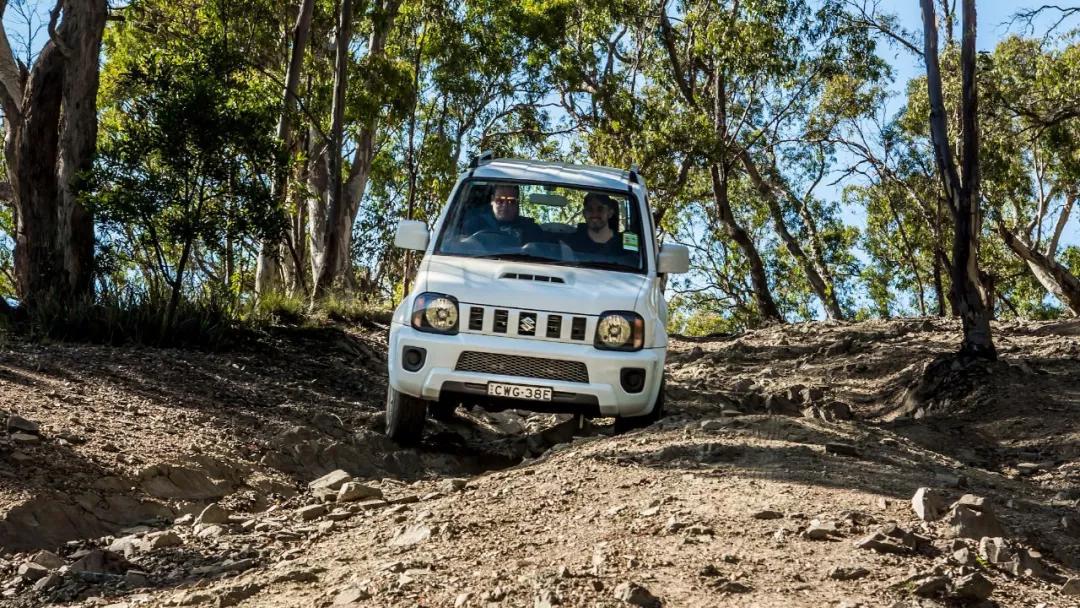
(405,417)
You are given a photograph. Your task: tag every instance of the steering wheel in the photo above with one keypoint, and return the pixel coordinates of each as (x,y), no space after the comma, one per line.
(489,238)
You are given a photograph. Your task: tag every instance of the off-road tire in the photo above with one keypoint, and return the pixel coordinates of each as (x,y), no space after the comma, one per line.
(624,424)
(405,417)
(442,411)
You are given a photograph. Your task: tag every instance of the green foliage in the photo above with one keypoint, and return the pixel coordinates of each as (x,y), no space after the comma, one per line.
(353,310)
(279,309)
(133,316)
(191,94)
(184,152)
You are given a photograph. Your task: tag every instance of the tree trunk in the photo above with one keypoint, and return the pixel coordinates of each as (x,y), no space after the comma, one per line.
(50,117)
(327,265)
(268,269)
(344,202)
(825,291)
(758,279)
(963,196)
(939,284)
(318,182)
(817,251)
(78,137)
(177,287)
(909,256)
(1054,277)
(1055,238)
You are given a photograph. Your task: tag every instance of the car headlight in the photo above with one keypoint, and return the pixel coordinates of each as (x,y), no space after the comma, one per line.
(618,330)
(435,313)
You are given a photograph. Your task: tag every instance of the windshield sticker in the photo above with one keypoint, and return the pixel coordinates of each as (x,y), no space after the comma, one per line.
(630,241)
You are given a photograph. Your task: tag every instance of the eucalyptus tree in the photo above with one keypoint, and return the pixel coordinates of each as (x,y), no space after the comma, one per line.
(476,81)
(721,89)
(890,177)
(1033,112)
(960,183)
(333,212)
(268,269)
(50,122)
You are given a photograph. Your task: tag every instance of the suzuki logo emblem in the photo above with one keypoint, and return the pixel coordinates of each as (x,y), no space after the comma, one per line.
(527,325)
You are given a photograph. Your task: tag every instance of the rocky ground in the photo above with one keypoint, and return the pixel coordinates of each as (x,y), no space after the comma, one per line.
(808,465)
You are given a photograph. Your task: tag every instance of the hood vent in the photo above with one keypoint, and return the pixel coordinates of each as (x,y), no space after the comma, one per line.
(531,277)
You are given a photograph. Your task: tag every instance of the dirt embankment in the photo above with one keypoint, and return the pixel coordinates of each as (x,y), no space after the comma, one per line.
(784,475)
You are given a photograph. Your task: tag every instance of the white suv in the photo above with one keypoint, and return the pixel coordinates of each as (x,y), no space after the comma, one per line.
(542,290)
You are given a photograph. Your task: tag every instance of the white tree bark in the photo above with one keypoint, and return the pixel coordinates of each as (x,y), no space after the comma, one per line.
(268,269)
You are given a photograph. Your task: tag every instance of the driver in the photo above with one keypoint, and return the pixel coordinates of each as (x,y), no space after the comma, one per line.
(506,217)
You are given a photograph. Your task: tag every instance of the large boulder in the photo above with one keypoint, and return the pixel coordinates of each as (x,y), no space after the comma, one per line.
(972,517)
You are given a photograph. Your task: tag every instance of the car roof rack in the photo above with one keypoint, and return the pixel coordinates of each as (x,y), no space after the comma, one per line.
(481,159)
(633,174)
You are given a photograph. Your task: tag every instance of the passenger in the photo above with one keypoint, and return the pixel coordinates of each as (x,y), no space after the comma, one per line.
(505,217)
(599,234)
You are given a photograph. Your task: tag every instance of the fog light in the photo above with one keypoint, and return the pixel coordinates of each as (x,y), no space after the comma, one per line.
(632,379)
(412,358)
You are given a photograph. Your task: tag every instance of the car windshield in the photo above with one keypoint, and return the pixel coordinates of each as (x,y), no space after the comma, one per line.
(546,224)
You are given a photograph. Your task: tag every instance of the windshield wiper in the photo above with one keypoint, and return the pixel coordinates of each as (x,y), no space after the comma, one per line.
(523,257)
(601,265)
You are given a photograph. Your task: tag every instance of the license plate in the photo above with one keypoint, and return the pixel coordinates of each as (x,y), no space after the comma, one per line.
(519,391)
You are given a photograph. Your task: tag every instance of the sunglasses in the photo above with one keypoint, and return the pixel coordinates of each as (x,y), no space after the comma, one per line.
(506,200)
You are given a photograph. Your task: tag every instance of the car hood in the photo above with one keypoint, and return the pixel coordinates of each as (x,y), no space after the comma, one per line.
(584,291)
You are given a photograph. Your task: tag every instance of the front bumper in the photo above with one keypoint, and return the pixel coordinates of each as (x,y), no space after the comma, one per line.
(603,393)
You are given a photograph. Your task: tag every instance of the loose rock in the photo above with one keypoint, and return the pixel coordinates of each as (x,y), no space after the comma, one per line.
(890,539)
(18,424)
(820,531)
(974,586)
(929,504)
(995,550)
(633,593)
(972,517)
(311,512)
(213,514)
(411,536)
(930,585)
(104,562)
(452,485)
(352,490)
(48,582)
(48,559)
(848,573)
(31,572)
(25,438)
(209,531)
(331,481)
(161,540)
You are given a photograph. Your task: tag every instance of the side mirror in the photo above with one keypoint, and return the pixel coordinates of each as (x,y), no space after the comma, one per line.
(411,234)
(673,259)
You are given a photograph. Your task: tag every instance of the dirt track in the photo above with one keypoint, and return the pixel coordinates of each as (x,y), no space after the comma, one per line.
(753,492)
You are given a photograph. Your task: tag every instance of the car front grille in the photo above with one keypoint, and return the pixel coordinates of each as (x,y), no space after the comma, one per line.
(528,324)
(526,367)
